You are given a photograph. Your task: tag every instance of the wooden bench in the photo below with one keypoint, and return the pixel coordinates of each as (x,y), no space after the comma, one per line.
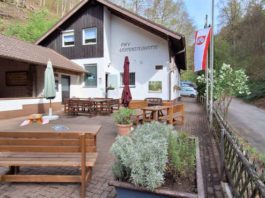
(137,106)
(48,149)
(175,115)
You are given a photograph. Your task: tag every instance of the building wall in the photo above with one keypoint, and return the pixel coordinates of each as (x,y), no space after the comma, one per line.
(103,65)
(12,91)
(145,50)
(88,16)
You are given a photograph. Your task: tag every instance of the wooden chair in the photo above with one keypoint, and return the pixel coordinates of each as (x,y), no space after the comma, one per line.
(49,149)
(175,115)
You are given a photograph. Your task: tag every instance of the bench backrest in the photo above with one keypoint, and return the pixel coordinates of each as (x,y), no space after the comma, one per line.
(50,142)
(137,104)
(178,108)
(154,101)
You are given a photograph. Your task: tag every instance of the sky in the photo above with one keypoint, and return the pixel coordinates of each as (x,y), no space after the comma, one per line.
(198,9)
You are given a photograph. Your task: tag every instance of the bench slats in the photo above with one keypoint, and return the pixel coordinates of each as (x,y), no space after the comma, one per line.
(42,142)
(58,149)
(55,135)
(43,160)
(41,178)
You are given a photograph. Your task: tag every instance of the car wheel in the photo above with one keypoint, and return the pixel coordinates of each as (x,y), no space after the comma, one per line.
(192,95)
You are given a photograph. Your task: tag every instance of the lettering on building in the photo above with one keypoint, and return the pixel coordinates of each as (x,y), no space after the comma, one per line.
(127,47)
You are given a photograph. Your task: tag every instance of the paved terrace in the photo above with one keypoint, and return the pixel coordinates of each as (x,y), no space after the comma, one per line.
(195,124)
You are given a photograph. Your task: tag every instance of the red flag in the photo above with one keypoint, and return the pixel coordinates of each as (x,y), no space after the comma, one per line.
(202,41)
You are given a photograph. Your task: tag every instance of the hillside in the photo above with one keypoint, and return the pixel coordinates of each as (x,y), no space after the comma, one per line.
(17,17)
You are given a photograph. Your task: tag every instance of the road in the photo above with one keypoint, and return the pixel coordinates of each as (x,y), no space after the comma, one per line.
(249,122)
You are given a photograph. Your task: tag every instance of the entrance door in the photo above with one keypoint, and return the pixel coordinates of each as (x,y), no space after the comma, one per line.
(65,87)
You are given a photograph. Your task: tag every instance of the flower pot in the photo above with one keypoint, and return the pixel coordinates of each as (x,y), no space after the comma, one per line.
(128,190)
(124,129)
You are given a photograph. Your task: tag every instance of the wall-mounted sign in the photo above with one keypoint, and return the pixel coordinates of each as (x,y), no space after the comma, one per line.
(17,78)
(155,86)
(128,47)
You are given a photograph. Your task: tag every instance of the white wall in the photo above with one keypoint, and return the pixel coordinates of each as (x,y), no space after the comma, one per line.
(132,41)
(175,80)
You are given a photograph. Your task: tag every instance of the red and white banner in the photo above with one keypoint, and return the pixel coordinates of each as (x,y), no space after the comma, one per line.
(202,41)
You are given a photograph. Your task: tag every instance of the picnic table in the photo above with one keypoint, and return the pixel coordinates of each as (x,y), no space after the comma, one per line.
(154,112)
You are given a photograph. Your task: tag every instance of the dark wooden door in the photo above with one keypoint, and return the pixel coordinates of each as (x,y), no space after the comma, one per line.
(65,87)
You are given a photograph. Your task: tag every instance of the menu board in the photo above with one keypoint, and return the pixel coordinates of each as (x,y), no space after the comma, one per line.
(17,78)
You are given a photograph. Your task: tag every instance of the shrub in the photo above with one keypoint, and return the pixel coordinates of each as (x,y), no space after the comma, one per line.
(182,155)
(257,90)
(142,157)
(123,116)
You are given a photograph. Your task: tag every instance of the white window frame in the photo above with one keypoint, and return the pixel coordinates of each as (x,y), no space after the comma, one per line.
(83,36)
(65,33)
(91,65)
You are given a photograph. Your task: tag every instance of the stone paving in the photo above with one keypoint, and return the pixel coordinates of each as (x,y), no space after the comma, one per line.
(195,124)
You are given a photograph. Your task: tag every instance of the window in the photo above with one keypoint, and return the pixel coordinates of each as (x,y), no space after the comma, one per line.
(131,80)
(68,38)
(91,76)
(90,36)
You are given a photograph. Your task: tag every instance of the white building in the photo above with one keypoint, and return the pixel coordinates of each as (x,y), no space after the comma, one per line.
(88,48)
(98,35)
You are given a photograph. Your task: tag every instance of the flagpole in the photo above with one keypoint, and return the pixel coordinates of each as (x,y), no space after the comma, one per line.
(211,67)
(206,71)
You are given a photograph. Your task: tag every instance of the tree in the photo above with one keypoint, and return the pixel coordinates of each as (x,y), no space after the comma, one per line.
(227,84)
(171,14)
(38,23)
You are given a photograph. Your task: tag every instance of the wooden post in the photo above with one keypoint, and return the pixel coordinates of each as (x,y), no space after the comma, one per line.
(222,152)
(83,165)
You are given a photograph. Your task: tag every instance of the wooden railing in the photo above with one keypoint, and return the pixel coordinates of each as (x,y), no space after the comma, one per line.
(240,171)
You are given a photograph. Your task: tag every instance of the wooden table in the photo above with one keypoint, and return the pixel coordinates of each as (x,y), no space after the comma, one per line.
(60,127)
(154,110)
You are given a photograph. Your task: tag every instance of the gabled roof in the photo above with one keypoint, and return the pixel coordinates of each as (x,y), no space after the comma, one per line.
(15,49)
(177,40)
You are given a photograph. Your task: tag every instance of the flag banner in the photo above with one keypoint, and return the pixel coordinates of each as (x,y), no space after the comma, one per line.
(202,41)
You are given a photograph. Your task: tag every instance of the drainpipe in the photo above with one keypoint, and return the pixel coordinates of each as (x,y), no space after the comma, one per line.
(169,85)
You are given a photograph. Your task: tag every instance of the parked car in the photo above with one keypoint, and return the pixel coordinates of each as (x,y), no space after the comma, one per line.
(188,91)
(189,84)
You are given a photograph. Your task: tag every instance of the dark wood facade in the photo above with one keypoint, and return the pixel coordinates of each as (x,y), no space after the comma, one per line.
(91,15)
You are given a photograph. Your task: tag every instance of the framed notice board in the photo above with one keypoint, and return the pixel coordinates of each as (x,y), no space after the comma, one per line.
(17,78)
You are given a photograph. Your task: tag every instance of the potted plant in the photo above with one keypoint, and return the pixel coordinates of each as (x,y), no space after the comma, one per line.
(123,119)
(156,161)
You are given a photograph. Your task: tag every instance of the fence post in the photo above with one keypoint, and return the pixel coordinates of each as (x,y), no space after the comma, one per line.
(222,147)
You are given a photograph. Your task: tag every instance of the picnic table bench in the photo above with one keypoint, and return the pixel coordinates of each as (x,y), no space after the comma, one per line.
(175,114)
(48,149)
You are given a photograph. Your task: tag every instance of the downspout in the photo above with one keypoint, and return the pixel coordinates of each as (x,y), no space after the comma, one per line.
(169,74)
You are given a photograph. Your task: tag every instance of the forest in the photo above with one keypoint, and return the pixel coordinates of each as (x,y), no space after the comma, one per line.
(239,42)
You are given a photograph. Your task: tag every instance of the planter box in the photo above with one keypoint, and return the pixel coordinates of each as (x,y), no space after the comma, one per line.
(128,190)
